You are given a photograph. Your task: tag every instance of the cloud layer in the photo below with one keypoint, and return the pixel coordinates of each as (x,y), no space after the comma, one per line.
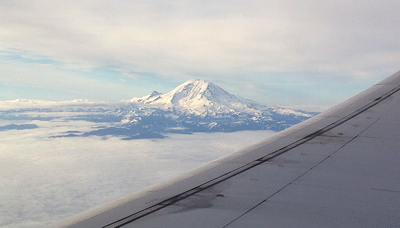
(239,42)
(208,36)
(45,180)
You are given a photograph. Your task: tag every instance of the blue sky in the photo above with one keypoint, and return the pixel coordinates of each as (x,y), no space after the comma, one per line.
(305,54)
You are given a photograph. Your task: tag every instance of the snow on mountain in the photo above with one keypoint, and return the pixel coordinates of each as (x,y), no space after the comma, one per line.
(194,106)
(200,97)
(147,99)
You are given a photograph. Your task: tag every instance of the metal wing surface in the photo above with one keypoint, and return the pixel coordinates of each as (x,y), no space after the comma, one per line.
(338,169)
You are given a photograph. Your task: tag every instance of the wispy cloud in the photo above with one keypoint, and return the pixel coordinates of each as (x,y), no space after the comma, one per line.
(177,40)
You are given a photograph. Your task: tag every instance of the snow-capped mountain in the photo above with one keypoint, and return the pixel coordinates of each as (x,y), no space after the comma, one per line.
(198,105)
(194,106)
(200,97)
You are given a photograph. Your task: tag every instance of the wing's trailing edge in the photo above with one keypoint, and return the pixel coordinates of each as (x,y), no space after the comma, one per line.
(338,169)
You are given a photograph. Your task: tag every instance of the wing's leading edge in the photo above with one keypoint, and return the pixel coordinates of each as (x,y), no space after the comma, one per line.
(340,168)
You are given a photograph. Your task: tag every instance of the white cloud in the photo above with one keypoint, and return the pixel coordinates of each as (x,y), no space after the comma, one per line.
(59,83)
(177,38)
(45,180)
(252,41)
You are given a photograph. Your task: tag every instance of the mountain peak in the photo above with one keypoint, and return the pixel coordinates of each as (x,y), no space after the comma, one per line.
(196,84)
(194,89)
(200,97)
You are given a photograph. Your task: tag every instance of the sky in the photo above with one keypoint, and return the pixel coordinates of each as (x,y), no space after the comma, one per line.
(306,54)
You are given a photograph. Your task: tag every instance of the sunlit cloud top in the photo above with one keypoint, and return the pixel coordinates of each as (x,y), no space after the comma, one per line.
(272,47)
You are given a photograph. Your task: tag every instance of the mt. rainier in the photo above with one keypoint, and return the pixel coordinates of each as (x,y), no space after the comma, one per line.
(194,106)
(202,98)
(198,105)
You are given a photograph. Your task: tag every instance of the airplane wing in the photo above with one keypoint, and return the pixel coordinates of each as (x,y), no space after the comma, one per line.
(338,169)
